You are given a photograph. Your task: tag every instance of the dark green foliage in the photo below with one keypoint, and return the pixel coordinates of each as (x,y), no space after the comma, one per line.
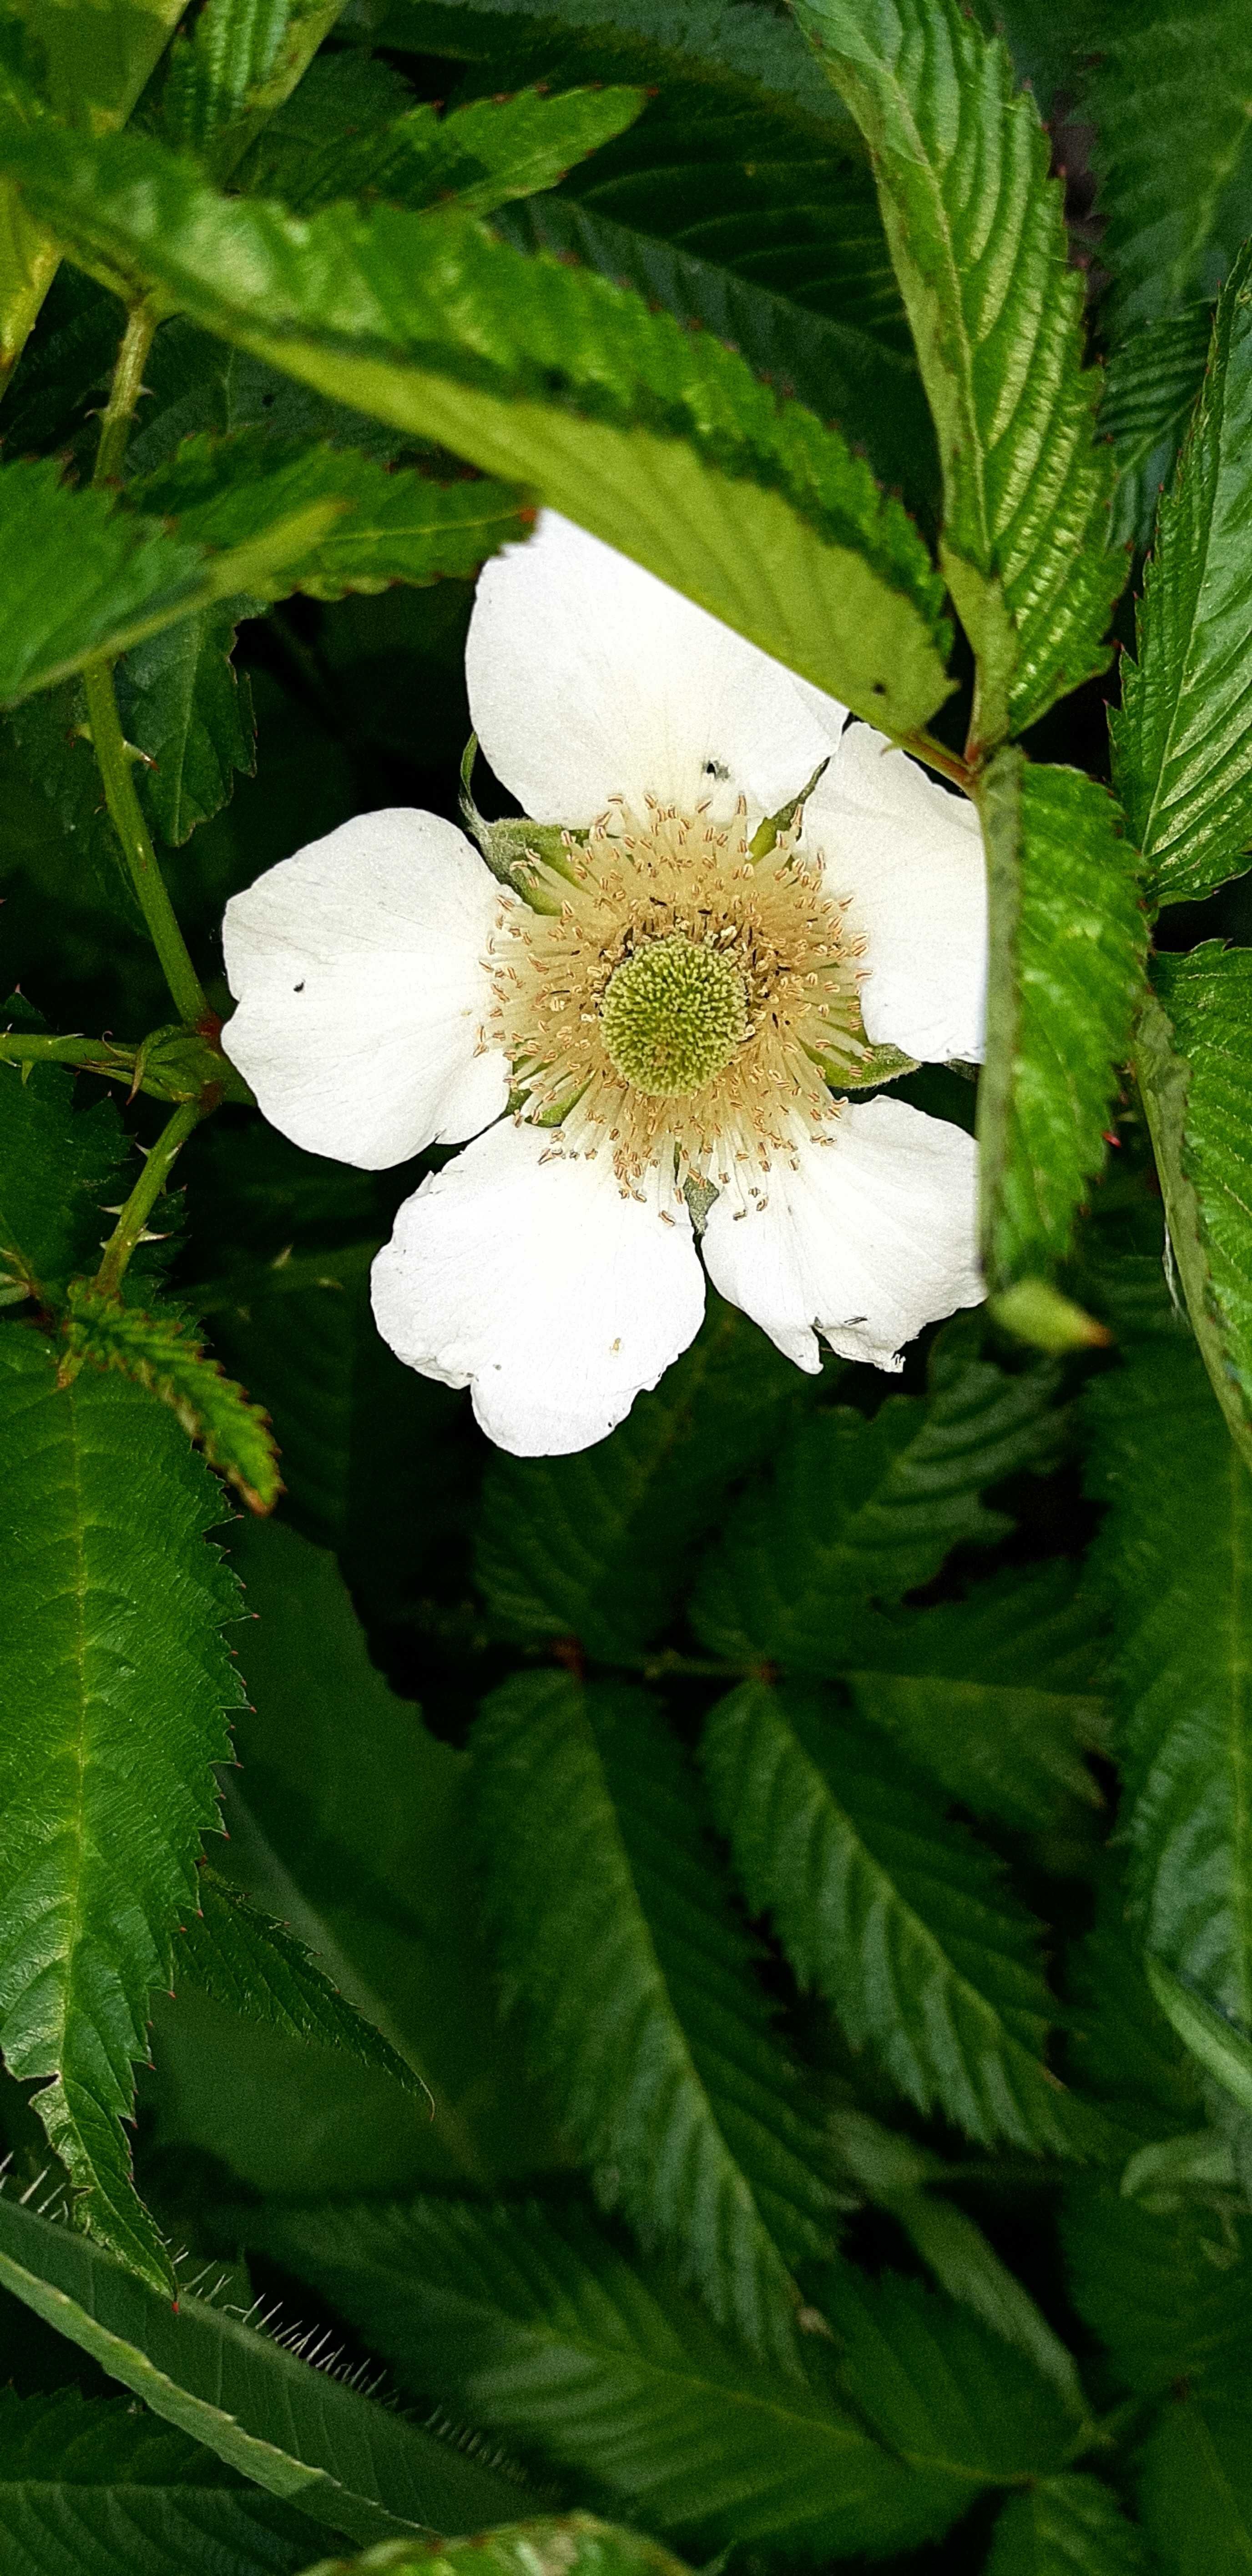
(722,1962)
(1173,152)
(1172,1558)
(864,1512)
(94,2485)
(1067,2526)
(529,2317)
(598,1546)
(219,2376)
(899,1919)
(614,1929)
(58,1162)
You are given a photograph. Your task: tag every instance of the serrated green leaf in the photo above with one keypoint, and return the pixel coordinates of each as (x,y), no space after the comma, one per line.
(1214,2041)
(88,579)
(228,72)
(1066,2526)
(898,1917)
(938,2386)
(1150,387)
(1166,2290)
(290,2428)
(528,2318)
(574,2545)
(996,1696)
(976,231)
(598,1546)
(183,704)
(1196,1084)
(1122,2048)
(350,1822)
(659,442)
(59,1162)
(91,65)
(159,1351)
(478,156)
(1173,150)
(1065,973)
(243,1959)
(863,1511)
(614,1928)
(966,2265)
(397,526)
(95,2485)
(1172,1558)
(1182,741)
(1195,2489)
(116,1680)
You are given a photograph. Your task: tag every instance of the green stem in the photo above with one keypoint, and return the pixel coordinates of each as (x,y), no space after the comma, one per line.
(186,990)
(936,755)
(130,1226)
(86,1055)
(124,393)
(106,729)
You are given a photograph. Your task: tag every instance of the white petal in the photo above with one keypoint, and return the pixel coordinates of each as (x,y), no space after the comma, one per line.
(535,1282)
(589,678)
(875,1235)
(910,855)
(358,970)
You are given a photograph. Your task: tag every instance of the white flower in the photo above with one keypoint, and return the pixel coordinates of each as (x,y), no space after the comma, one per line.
(670,1019)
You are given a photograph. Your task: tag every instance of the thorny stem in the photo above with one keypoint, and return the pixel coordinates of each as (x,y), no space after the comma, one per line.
(86,1055)
(130,1226)
(111,751)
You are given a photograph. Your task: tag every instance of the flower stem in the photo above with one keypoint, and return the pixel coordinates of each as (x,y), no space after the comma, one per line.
(186,990)
(131,1223)
(124,393)
(937,756)
(85,1055)
(112,754)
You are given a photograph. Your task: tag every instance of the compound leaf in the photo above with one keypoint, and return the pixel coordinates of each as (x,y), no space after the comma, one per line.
(898,1917)
(614,1927)
(96,2485)
(659,442)
(1066,2526)
(1163,2284)
(977,233)
(292,2429)
(1182,740)
(528,2319)
(1065,973)
(938,2386)
(863,1511)
(598,1545)
(116,1678)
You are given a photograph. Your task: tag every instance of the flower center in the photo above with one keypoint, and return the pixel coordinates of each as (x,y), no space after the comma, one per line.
(673,1015)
